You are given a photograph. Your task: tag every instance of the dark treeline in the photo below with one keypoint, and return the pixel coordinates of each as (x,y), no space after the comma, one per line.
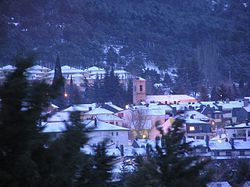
(109,89)
(211,38)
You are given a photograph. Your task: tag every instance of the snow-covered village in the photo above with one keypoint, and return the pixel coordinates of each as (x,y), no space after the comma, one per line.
(103,93)
(218,130)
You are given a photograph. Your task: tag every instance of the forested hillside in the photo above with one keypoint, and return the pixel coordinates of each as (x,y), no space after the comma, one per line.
(206,38)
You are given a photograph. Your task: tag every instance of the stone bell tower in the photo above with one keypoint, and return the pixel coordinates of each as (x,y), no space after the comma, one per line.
(139,90)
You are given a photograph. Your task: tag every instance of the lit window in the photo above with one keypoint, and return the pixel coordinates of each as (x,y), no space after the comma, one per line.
(191,128)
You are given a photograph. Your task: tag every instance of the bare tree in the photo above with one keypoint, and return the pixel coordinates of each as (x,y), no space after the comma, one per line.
(136,121)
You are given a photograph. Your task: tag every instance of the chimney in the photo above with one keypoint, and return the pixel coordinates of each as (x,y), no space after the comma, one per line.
(95,122)
(90,108)
(207,141)
(232,143)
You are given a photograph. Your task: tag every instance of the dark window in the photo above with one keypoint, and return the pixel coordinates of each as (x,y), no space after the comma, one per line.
(140,88)
(112,133)
(200,137)
(228,153)
(120,115)
(242,153)
(116,133)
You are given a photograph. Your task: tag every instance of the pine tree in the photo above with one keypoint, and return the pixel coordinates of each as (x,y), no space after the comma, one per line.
(136,66)
(102,165)
(97,171)
(112,90)
(242,172)
(60,163)
(129,93)
(112,57)
(20,133)
(58,85)
(73,93)
(214,94)
(172,164)
(204,94)
(168,81)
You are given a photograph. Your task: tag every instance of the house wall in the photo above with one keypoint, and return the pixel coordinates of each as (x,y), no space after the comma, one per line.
(153,131)
(114,122)
(118,139)
(238,133)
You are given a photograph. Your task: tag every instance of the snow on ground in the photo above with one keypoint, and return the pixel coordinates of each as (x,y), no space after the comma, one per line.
(151,66)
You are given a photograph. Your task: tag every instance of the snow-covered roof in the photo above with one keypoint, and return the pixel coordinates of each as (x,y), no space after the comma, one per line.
(217,184)
(114,106)
(209,103)
(54,106)
(149,111)
(216,145)
(94,68)
(68,70)
(191,121)
(113,152)
(193,114)
(155,112)
(34,71)
(120,71)
(8,68)
(80,107)
(160,107)
(239,126)
(230,104)
(51,127)
(108,117)
(76,75)
(103,126)
(99,111)
(59,117)
(169,98)
(240,144)
(219,137)
(38,67)
(247,108)
(197,143)
(140,78)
